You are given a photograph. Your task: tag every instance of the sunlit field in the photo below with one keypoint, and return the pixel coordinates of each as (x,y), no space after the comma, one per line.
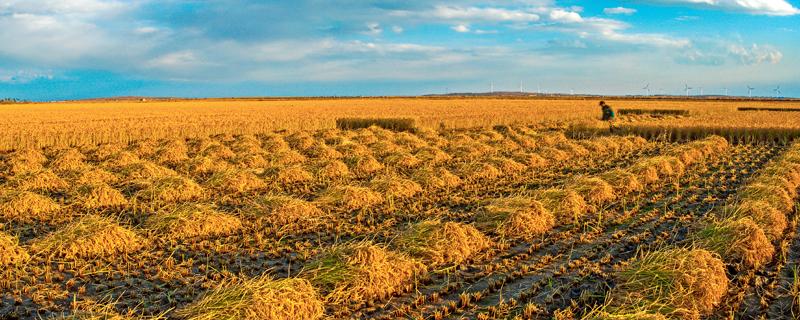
(79,123)
(486,208)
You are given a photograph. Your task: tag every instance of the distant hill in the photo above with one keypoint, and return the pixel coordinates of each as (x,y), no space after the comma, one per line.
(485,95)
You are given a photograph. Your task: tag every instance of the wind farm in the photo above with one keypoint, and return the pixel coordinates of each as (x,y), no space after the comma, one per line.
(685,92)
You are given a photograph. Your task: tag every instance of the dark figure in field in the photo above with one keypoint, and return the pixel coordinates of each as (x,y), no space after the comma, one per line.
(608,113)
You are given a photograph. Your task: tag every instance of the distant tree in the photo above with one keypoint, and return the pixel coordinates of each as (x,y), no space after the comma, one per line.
(9,101)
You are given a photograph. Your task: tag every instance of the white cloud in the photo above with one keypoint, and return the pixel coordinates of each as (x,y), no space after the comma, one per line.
(298,51)
(278,51)
(382,48)
(719,52)
(609,30)
(578,9)
(62,7)
(468,14)
(55,33)
(23,76)
(145,30)
(755,54)
(373,28)
(574,44)
(687,18)
(649,39)
(176,61)
(619,10)
(759,7)
(546,16)
(559,15)
(49,39)
(103,35)
(460,28)
(463,28)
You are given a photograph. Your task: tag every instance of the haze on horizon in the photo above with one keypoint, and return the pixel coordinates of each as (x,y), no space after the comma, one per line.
(55,50)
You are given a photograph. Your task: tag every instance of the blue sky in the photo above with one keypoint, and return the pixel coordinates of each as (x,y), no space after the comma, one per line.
(56,49)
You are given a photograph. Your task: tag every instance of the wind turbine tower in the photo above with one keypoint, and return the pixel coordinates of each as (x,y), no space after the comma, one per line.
(491,87)
(687,88)
(777,92)
(750,91)
(647,89)
(726,91)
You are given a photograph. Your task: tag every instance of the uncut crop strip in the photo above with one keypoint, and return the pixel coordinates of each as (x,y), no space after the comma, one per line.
(549,252)
(734,134)
(672,112)
(768,109)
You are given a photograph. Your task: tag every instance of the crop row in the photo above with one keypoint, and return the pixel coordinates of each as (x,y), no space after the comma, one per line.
(68,253)
(516,270)
(689,280)
(336,274)
(351,274)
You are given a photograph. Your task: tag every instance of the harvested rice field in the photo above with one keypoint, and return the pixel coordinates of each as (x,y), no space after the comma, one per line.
(522,221)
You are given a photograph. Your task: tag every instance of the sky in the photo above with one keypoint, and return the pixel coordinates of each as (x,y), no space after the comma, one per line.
(74,49)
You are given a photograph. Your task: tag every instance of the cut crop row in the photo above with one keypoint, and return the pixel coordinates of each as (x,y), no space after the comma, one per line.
(138,282)
(509,262)
(667,282)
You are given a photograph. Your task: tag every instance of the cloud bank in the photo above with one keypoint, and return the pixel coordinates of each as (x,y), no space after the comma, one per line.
(227,42)
(758,7)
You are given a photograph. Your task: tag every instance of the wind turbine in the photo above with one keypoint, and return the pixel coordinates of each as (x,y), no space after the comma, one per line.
(725,90)
(701,91)
(520,87)
(687,88)
(750,91)
(777,91)
(647,88)
(491,87)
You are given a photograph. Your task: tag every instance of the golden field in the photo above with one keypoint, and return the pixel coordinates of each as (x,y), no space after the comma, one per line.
(79,123)
(490,209)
